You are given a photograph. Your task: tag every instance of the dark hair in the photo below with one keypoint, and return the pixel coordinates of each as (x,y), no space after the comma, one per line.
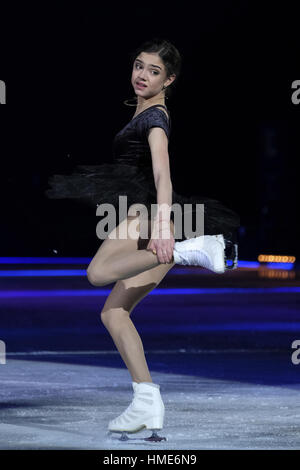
(168,54)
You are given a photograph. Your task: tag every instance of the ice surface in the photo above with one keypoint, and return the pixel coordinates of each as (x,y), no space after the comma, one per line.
(47,404)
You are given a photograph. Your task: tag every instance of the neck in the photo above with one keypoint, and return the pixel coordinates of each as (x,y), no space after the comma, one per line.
(143,103)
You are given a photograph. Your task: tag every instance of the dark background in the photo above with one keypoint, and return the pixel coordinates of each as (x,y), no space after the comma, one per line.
(235,130)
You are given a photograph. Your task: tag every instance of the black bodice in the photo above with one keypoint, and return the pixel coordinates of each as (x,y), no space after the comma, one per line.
(131,144)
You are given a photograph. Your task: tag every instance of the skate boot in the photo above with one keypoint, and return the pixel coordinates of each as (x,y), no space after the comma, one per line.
(206,251)
(145,411)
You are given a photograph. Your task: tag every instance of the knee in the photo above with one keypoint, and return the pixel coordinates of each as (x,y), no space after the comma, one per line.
(93,276)
(112,317)
(106,318)
(97,276)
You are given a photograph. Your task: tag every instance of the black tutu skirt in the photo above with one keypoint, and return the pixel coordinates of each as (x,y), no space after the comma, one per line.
(98,184)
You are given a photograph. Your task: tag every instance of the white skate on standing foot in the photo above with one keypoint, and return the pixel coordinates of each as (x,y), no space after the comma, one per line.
(207,251)
(145,411)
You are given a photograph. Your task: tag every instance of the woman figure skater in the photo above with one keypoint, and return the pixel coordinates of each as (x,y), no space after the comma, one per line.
(137,264)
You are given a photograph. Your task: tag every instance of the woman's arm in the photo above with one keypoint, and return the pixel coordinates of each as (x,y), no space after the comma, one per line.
(158,143)
(162,240)
(164,197)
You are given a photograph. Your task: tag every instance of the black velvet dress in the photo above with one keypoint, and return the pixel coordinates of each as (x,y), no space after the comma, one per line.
(130,174)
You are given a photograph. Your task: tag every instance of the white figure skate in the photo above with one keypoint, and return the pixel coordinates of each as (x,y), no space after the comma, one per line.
(207,251)
(145,411)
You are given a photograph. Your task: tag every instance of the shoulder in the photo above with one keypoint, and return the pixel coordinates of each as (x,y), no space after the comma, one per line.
(159,112)
(156,113)
(155,117)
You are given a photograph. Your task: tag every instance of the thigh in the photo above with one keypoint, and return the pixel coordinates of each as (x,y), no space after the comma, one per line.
(123,238)
(132,234)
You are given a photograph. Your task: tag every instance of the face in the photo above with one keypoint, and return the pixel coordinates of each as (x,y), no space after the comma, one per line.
(149,70)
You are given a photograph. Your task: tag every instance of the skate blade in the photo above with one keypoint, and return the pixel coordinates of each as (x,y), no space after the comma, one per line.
(153,438)
(230,253)
(232,248)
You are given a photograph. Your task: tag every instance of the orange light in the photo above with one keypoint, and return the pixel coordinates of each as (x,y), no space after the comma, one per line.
(276,259)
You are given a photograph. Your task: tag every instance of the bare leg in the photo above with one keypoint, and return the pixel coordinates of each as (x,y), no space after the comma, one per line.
(119,258)
(128,342)
(124,296)
(115,315)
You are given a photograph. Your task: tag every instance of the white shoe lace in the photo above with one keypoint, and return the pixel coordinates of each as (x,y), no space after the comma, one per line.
(202,258)
(196,257)
(193,251)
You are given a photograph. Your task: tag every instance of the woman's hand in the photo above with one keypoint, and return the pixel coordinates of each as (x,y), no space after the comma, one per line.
(162,242)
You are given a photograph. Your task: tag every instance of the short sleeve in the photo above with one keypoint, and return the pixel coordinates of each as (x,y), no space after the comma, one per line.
(154,118)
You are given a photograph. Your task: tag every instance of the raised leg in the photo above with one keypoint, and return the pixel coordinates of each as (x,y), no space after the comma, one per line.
(123,258)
